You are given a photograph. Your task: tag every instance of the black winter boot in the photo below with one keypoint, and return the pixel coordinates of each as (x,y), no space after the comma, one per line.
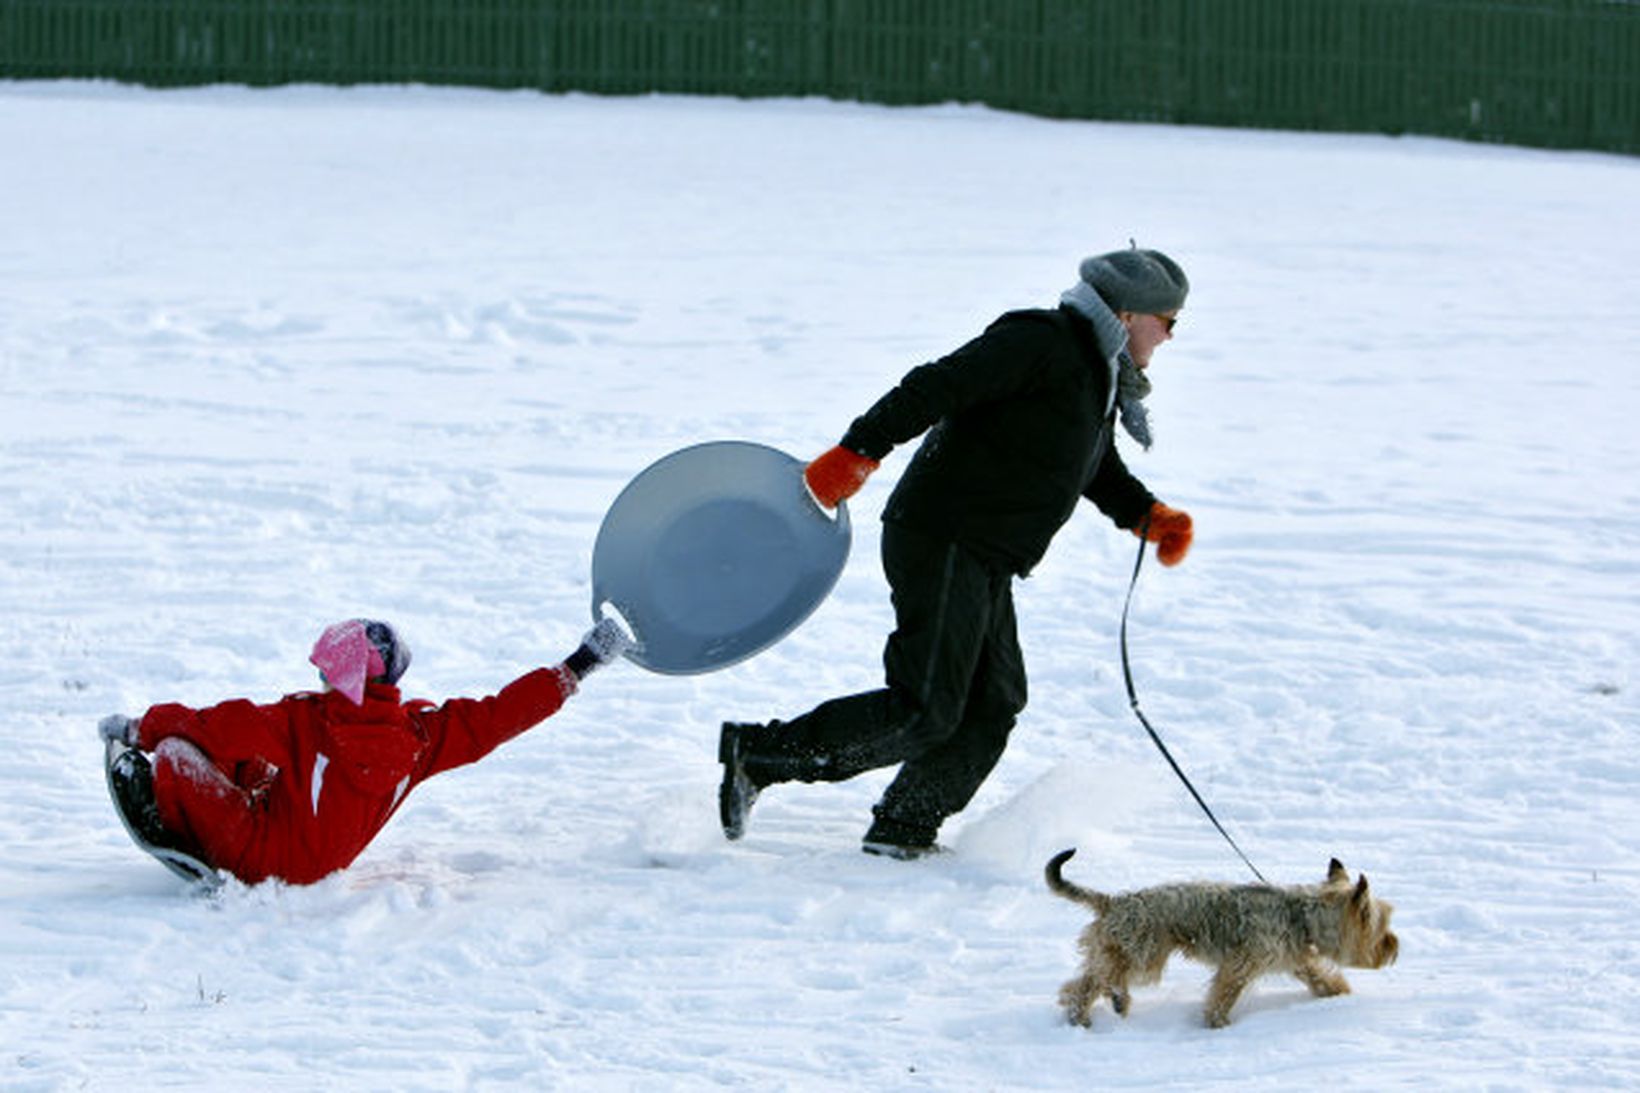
(133,780)
(739,791)
(891,838)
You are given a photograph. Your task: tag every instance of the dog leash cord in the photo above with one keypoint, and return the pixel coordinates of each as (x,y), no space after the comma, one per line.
(1133,701)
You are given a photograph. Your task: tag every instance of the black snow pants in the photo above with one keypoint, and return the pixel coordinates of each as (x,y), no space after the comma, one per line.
(955,684)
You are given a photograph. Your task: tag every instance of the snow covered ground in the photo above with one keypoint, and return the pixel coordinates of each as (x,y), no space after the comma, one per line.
(269,359)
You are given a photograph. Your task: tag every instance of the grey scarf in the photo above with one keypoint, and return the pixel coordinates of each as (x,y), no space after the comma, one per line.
(1130,385)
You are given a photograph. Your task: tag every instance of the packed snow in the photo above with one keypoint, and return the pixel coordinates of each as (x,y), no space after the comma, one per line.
(273,358)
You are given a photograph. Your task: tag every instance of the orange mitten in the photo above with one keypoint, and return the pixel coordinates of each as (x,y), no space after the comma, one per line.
(1170,530)
(838,475)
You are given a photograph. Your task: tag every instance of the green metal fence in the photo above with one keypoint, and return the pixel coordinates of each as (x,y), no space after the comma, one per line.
(1551,73)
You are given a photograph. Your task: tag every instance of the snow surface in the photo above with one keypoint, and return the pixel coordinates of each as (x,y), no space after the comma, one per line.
(273,358)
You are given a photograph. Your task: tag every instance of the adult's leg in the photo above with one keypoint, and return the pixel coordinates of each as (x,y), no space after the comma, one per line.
(942,779)
(942,600)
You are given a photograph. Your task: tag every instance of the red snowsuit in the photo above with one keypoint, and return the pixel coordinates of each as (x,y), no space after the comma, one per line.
(296,790)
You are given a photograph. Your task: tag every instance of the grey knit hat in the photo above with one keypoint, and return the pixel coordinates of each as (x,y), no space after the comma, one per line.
(1143,281)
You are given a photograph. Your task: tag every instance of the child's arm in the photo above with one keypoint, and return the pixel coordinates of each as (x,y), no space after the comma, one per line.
(464,730)
(228,732)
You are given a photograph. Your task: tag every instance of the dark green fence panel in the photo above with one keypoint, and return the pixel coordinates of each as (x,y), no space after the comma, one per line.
(1552,73)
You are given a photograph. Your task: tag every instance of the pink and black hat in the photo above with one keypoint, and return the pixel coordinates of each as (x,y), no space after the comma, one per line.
(349,654)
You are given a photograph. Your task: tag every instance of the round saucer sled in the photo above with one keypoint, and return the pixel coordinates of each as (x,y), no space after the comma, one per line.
(714,553)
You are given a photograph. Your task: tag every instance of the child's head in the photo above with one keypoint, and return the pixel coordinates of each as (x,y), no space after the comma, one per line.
(350,653)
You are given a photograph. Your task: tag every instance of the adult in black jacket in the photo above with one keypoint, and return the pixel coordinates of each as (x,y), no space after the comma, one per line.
(1019,425)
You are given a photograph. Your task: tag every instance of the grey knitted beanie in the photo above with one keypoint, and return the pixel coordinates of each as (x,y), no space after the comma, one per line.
(1143,281)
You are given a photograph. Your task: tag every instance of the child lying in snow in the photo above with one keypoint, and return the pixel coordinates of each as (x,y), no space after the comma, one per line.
(297,789)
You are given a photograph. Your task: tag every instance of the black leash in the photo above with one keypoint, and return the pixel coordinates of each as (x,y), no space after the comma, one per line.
(1133,700)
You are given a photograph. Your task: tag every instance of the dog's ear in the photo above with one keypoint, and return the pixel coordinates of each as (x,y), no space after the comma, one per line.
(1361,894)
(1336,873)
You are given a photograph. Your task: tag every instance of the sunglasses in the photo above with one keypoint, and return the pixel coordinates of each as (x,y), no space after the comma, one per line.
(1168,322)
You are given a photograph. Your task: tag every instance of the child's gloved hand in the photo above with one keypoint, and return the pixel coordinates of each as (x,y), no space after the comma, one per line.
(117,728)
(1171,530)
(607,640)
(602,644)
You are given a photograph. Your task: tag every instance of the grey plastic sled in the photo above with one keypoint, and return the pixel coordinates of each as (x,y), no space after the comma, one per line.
(184,865)
(714,553)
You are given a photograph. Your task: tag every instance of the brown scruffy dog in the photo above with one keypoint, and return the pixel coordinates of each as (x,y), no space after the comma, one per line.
(1244,931)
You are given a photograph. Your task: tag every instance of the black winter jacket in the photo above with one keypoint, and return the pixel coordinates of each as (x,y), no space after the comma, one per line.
(1019,427)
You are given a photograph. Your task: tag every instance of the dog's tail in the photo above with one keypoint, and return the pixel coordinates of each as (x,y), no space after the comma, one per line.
(1074,892)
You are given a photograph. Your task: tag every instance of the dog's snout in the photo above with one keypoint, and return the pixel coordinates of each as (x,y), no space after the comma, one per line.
(1389,950)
